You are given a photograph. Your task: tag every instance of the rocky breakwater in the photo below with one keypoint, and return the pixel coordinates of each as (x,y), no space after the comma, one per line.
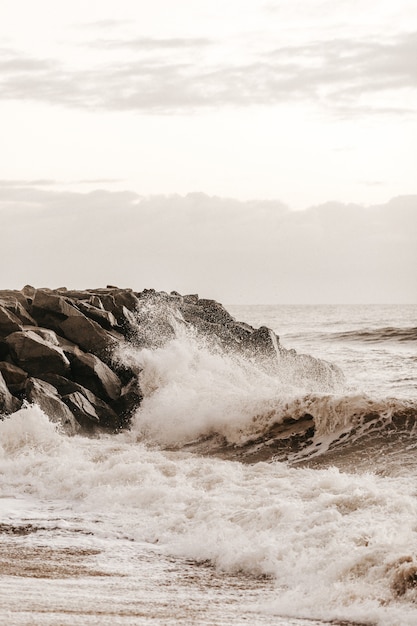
(58,348)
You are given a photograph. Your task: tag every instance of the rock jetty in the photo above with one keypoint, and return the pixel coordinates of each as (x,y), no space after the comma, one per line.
(58,348)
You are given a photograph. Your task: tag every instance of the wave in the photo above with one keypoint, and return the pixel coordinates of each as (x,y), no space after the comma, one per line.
(388,333)
(222,403)
(328,429)
(339,546)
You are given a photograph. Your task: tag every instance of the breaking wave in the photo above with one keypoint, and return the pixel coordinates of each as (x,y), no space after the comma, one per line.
(389,333)
(219,402)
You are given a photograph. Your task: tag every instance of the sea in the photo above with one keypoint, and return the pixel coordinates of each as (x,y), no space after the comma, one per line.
(171,522)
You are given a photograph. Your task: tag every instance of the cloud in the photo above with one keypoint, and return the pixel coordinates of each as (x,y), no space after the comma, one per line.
(173,75)
(40,182)
(233,251)
(152,43)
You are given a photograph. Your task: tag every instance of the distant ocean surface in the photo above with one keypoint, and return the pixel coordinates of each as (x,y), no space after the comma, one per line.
(143,528)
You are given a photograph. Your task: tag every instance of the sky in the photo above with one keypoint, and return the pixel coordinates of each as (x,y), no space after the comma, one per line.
(253,151)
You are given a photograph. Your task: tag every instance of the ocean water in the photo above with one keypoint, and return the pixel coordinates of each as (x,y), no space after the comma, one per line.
(196,516)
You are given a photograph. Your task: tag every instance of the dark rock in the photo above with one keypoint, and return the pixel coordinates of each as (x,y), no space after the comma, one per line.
(46,397)
(14,376)
(107,416)
(83,410)
(4,349)
(95,301)
(58,313)
(14,305)
(9,322)
(213,312)
(35,355)
(28,291)
(191,298)
(8,403)
(12,296)
(48,302)
(105,318)
(45,333)
(23,315)
(264,342)
(121,303)
(89,371)
(89,335)
(130,399)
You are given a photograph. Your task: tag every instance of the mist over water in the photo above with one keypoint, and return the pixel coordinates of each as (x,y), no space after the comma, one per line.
(155,529)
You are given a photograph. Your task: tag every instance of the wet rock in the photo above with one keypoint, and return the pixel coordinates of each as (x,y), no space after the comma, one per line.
(9,322)
(46,397)
(89,371)
(108,417)
(263,342)
(8,403)
(14,376)
(213,312)
(35,355)
(129,401)
(83,410)
(121,303)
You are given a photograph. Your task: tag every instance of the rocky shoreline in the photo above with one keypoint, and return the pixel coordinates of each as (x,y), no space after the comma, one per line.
(58,348)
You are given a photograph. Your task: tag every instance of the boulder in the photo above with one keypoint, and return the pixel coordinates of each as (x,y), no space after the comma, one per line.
(89,335)
(57,312)
(12,296)
(8,403)
(4,349)
(107,416)
(14,376)
(89,371)
(9,322)
(263,342)
(45,302)
(82,409)
(130,399)
(213,312)
(28,292)
(15,306)
(45,333)
(191,298)
(105,318)
(35,355)
(46,397)
(121,303)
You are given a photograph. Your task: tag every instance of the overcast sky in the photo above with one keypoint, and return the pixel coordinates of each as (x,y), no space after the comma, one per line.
(250,150)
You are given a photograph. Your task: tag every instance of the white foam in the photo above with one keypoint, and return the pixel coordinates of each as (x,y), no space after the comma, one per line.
(192,391)
(332,541)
